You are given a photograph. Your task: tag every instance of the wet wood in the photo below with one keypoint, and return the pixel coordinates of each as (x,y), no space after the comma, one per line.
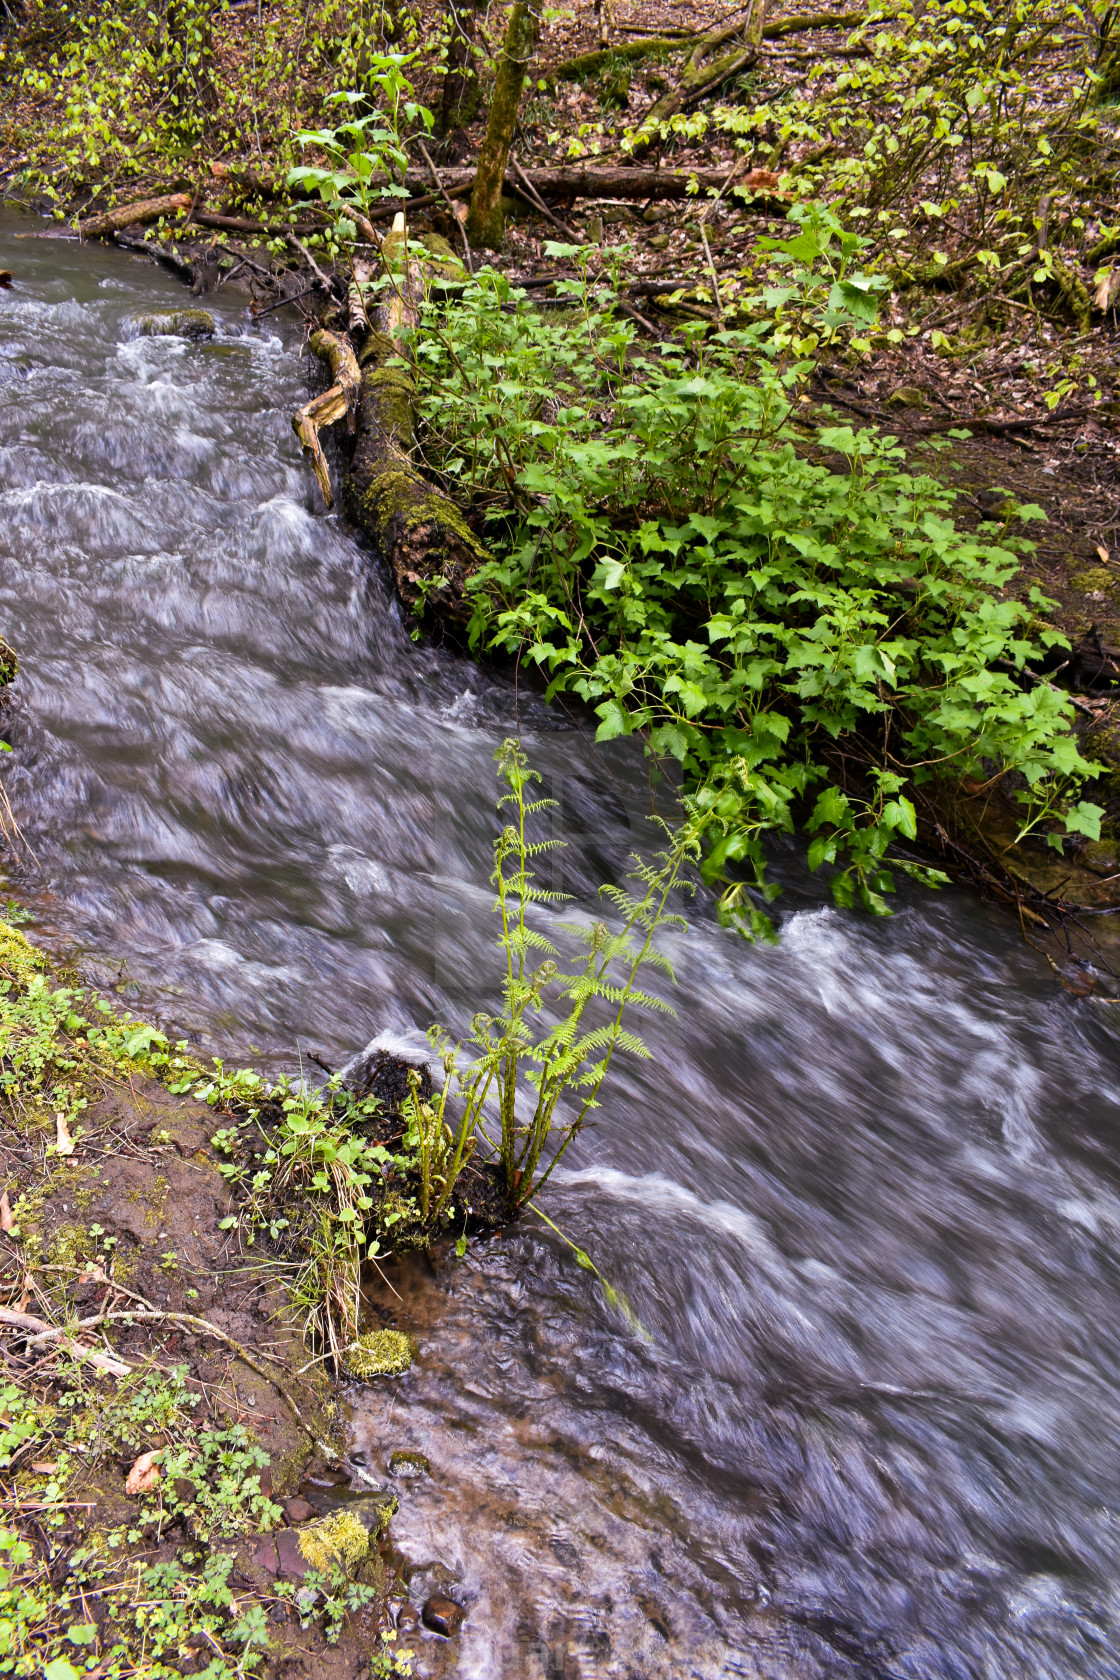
(338,403)
(132,215)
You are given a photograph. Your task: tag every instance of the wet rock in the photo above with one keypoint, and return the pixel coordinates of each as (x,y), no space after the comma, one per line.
(379,1353)
(327,1479)
(338,1541)
(1101,856)
(443,1615)
(408,1465)
(907,396)
(408,1619)
(175,323)
(297,1510)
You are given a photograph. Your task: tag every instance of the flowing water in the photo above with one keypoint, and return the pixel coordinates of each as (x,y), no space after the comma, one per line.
(864,1201)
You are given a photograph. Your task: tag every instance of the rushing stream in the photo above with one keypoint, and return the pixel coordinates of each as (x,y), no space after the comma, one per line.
(865,1199)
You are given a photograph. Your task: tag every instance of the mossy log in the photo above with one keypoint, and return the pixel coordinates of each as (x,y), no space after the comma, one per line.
(131,215)
(424,538)
(579,69)
(430,549)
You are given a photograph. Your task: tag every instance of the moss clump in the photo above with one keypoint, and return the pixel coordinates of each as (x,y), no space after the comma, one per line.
(379,1353)
(1096,580)
(175,323)
(338,1541)
(20,959)
(9,664)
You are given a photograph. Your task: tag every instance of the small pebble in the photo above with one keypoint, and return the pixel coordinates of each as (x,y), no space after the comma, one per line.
(297,1510)
(443,1615)
(408,1618)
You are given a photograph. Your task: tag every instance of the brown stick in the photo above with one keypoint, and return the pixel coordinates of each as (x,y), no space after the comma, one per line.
(536,199)
(41,1331)
(129,215)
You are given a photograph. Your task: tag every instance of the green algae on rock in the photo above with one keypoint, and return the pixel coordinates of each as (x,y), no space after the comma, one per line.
(175,323)
(379,1353)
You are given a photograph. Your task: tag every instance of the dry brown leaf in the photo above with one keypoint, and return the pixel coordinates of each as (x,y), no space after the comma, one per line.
(144,1475)
(43,1469)
(6,1220)
(65,1143)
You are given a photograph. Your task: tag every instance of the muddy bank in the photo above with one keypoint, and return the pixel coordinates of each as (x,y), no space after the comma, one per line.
(166,1423)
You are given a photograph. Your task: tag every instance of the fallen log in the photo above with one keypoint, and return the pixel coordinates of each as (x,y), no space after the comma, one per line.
(590,64)
(132,215)
(245,224)
(604,181)
(419,532)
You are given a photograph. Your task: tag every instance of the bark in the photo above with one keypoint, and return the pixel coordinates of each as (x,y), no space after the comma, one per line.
(339,402)
(461,94)
(420,533)
(132,215)
(590,64)
(485,222)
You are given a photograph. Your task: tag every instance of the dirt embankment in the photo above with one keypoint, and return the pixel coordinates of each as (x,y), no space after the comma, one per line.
(171,1472)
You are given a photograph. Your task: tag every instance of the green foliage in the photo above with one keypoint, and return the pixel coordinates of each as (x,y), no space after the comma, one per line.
(367,155)
(125,91)
(947,129)
(778,606)
(513,1089)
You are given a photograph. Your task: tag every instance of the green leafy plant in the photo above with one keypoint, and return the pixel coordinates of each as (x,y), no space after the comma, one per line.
(367,154)
(780,604)
(513,1089)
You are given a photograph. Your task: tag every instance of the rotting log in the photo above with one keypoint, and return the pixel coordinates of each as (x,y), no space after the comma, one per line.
(132,215)
(419,532)
(339,402)
(589,64)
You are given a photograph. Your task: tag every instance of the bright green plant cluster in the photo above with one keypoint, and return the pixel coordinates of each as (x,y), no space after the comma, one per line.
(124,92)
(784,608)
(514,1089)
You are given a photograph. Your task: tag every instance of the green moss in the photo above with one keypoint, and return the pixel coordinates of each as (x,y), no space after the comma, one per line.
(1095,580)
(379,1353)
(339,1541)
(175,323)
(20,959)
(9,664)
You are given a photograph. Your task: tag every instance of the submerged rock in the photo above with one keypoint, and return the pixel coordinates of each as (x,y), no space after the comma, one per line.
(408,1465)
(379,1353)
(443,1615)
(175,323)
(408,1618)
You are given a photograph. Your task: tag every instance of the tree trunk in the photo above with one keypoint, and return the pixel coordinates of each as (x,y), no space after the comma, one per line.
(485,222)
(419,532)
(461,95)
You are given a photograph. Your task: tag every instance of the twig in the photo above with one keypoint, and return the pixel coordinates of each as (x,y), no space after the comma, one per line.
(438,179)
(99,1361)
(298,245)
(280,302)
(534,197)
(636,315)
(711,267)
(201,1325)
